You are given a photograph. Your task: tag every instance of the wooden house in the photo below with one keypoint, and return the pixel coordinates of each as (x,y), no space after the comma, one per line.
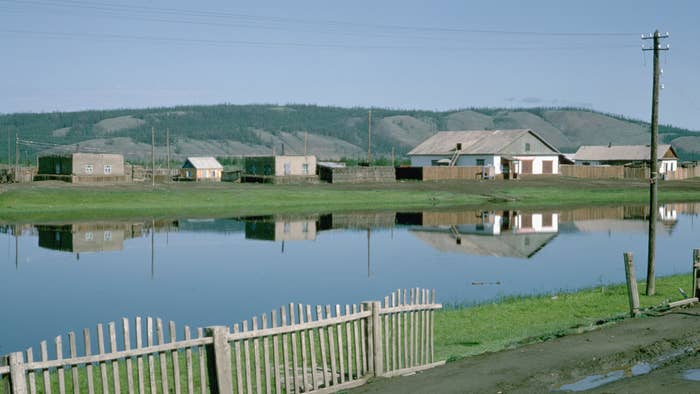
(201,169)
(281,165)
(607,155)
(82,167)
(507,152)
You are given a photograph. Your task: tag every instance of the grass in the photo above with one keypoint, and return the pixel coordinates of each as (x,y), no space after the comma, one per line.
(51,201)
(462,331)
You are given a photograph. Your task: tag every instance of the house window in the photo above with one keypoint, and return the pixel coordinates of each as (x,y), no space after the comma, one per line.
(89,236)
(107,236)
(305,168)
(108,169)
(188,174)
(88,168)
(527,147)
(480,162)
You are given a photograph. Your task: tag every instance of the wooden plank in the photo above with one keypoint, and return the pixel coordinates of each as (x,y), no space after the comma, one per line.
(151,357)
(246,356)
(432,328)
(239,365)
(409,308)
(202,364)
(161,355)
(59,371)
(127,347)
(256,354)
(103,365)
(356,337)
(424,328)
(297,327)
(399,332)
(394,333)
(219,360)
(18,373)
(312,346)
(686,301)
(115,363)
(285,353)
(412,315)
(266,356)
(387,350)
(188,363)
(406,361)
(302,335)
(295,356)
(331,348)
(341,362)
(632,292)
(322,344)
(276,355)
(139,359)
(88,366)
(73,354)
(32,376)
(363,341)
(376,339)
(175,359)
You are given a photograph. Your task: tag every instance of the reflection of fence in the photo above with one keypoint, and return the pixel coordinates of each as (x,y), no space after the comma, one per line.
(295,351)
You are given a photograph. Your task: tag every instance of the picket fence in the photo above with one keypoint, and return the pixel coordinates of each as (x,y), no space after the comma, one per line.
(292,350)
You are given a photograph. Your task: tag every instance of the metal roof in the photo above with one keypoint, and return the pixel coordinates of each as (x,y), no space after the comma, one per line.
(620,152)
(473,142)
(203,162)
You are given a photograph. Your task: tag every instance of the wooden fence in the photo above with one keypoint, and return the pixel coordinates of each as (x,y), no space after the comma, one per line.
(296,349)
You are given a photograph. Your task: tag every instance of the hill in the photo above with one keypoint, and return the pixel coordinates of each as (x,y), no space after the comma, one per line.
(328,132)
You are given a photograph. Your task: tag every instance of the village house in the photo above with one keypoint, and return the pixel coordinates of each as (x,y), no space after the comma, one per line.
(201,169)
(82,167)
(608,155)
(506,152)
(280,165)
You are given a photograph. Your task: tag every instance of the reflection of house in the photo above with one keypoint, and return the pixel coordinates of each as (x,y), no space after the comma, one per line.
(626,155)
(82,167)
(268,229)
(84,237)
(507,234)
(505,151)
(284,165)
(627,220)
(201,169)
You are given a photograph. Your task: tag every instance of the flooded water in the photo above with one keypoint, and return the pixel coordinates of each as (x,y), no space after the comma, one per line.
(64,277)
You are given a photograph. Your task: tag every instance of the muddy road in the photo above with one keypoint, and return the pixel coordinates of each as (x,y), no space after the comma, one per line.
(658,350)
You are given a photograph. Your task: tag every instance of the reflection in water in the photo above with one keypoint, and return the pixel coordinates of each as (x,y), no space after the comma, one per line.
(210,271)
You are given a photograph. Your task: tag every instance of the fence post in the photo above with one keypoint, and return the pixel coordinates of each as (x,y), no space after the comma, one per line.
(5,380)
(17,373)
(369,327)
(631,285)
(219,360)
(696,273)
(377,339)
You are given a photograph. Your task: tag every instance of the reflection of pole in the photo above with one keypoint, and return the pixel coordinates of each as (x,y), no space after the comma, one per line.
(153,157)
(282,247)
(369,266)
(167,142)
(16,249)
(153,230)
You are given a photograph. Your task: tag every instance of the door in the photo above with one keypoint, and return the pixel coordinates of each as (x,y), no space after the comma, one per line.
(287,168)
(526,166)
(547,167)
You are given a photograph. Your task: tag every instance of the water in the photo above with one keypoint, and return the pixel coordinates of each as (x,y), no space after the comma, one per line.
(60,278)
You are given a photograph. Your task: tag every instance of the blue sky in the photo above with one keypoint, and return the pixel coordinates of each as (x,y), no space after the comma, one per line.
(80,54)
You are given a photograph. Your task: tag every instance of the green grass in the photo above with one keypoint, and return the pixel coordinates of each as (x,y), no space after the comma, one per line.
(463,331)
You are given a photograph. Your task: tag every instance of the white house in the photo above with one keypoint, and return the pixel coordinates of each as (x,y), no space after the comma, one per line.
(508,152)
(600,155)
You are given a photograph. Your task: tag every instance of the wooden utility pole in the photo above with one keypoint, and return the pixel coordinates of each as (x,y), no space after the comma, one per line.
(392,157)
(153,157)
(306,137)
(369,138)
(653,161)
(9,147)
(16,180)
(167,143)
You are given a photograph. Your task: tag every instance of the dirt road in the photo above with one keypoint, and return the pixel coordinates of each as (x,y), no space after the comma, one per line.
(658,349)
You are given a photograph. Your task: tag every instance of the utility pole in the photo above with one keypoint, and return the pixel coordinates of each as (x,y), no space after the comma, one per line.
(153,157)
(167,143)
(653,160)
(9,147)
(306,137)
(392,157)
(16,180)
(369,138)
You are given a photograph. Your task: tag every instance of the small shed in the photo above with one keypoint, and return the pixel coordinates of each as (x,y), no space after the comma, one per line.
(201,169)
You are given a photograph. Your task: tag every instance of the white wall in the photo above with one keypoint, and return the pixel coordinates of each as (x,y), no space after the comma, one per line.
(670,165)
(537,163)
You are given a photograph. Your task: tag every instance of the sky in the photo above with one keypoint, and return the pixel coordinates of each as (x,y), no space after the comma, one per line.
(67,55)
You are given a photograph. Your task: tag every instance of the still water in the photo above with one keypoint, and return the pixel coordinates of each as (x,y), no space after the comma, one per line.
(57,278)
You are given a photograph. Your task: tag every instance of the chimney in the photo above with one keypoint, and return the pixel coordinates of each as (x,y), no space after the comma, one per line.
(609,144)
(459,146)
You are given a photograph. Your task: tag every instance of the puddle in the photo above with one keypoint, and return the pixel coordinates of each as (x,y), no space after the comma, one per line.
(640,368)
(692,374)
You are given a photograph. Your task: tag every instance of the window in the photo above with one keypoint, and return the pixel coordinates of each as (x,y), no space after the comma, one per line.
(527,147)
(89,236)
(188,174)
(480,162)
(305,168)
(108,169)
(88,168)
(107,236)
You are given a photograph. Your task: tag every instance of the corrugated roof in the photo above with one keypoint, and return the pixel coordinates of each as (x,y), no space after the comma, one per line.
(204,162)
(619,152)
(473,142)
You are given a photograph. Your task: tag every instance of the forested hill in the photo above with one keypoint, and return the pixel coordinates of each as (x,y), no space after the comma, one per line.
(330,132)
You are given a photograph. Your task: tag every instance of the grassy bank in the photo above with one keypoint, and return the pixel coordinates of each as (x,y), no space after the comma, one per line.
(465,331)
(59,201)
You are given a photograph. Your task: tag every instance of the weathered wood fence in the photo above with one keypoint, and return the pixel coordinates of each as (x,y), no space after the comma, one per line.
(297,349)
(623,172)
